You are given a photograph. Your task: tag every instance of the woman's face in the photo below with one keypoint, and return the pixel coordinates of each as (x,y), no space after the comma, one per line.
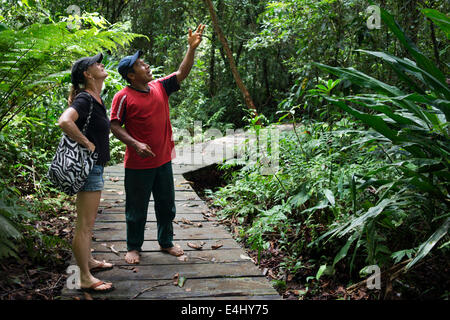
(96,71)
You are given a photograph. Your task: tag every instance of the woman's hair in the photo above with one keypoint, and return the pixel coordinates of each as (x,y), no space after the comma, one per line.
(75,89)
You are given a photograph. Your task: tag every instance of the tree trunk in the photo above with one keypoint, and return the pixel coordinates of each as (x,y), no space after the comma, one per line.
(223,40)
(212,61)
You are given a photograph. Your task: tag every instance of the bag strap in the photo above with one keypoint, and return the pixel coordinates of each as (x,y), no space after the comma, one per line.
(89,115)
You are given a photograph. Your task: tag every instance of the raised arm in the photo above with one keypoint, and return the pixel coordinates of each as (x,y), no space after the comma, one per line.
(194,40)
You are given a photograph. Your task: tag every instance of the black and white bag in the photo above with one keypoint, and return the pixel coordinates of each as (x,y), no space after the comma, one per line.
(72,162)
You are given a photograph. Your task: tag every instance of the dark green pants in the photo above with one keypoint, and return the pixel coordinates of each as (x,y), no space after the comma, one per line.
(139,184)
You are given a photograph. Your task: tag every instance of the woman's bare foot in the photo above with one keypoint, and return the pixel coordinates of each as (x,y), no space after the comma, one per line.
(95,265)
(175,250)
(92,284)
(132,257)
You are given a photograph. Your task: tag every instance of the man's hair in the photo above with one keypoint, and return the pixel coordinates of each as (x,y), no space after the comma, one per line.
(130,70)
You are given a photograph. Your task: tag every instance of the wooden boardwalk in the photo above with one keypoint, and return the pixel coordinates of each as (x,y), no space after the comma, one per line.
(223,273)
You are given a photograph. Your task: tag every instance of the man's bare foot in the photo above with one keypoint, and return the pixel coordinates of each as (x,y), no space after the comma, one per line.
(175,250)
(132,257)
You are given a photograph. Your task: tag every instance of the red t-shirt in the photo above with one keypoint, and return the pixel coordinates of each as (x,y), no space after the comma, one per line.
(147,119)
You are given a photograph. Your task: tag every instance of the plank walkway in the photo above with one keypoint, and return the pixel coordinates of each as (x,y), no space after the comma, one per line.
(223,273)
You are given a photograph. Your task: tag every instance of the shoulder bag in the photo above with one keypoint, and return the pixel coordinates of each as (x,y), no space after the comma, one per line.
(72,162)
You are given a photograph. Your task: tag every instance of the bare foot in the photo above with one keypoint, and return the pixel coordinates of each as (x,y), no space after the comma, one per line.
(95,265)
(175,250)
(132,257)
(94,285)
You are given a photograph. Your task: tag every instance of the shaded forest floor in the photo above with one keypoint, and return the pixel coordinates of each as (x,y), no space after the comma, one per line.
(39,273)
(427,281)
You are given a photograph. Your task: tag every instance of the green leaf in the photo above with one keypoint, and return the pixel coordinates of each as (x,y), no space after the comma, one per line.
(426,247)
(421,60)
(343,252)
(325,270)
(329,194)
(440,19)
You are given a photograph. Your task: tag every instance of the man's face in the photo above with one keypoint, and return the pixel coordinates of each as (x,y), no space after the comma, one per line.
(142,72)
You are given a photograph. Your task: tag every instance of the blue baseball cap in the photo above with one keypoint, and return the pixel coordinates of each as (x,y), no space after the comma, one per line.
(126,64)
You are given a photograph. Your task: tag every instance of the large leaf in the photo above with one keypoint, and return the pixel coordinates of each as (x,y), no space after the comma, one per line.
(426,247)
(405,65)
(373,121)
(421,60)
(440,19)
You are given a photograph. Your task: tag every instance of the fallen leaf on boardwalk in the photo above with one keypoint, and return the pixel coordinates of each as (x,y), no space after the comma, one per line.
(245,257)
(87,296)
(181,281)
(186,221)
(114,179)
(201,258)
(175,278)
(195,246)
(216,246)
(114,250)
(135,270)
(188,289)
(126,267)
(120,193)
(183,258)
(191,205)
(206,213)
(184,226)
(151,288)
(198,225)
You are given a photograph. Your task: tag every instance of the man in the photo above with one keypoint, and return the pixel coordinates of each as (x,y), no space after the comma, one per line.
(143,107)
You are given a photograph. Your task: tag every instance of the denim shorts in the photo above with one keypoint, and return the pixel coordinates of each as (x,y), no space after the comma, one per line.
(94,180)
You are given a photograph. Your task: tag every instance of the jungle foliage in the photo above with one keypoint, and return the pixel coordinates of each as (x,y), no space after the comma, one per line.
(363,178)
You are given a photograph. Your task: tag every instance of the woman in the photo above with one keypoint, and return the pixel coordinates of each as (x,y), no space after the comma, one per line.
(88,75)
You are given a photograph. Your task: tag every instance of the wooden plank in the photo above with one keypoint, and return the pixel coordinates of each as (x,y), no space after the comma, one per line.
(193,256)
(181,195)
(116,231)
(180,206)
(120,217)
(152,245)
(180,209)
(193,288)
(225,273)
(188,270)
